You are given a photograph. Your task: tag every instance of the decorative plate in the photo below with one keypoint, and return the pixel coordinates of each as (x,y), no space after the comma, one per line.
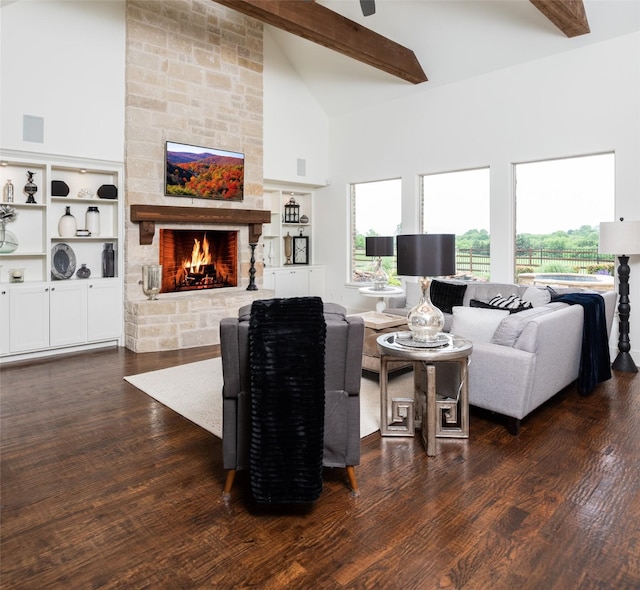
(406,339)
(63,262)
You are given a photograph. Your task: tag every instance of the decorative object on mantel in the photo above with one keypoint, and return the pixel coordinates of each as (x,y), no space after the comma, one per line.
(617,237)
(83,272)
(288,248)
(7,192)
(151,280)
(426,255)
(59,188)
(67,225)
(30,188)
(292,212)
(8,240)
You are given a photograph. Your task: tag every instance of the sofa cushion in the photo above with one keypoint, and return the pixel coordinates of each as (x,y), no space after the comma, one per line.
(510,328)
(446,295)
(537,297)
(476,324)
(513,303)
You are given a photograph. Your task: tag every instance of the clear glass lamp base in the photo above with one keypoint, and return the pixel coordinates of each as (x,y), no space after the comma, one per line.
(425,320)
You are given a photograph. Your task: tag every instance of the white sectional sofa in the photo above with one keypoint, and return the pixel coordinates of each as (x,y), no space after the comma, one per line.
(519,360)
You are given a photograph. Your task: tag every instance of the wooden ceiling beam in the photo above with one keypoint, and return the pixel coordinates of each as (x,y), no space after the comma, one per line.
(568,15)
(317,23)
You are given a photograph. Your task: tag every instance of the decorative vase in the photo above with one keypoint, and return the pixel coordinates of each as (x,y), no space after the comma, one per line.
(108,261)
(8,240)
(67,225)
(83,272)
(7,196)
(92,221)
(152,280)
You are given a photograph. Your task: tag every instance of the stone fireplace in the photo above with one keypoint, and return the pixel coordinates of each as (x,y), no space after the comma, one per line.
(196,260)
(190,315)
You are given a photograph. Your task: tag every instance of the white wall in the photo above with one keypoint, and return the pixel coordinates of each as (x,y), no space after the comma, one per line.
(64,61)
(295,127)
(579,102)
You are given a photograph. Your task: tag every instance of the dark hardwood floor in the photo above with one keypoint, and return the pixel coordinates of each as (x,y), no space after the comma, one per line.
(103,487)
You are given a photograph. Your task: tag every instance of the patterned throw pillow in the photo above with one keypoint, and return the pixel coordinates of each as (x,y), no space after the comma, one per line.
(512,303)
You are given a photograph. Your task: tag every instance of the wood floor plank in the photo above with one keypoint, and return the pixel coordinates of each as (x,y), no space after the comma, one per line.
(103,487)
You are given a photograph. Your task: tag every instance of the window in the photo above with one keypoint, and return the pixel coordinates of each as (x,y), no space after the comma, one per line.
(559,205)
(376,210)
(459,203)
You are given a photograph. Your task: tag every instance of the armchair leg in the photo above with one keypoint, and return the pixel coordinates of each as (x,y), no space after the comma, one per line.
(351,474)
(513,425)
(228,484)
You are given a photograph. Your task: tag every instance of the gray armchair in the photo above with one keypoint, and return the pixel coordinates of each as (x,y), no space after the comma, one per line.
(343,372)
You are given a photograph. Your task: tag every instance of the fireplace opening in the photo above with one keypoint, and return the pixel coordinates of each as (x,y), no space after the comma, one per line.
(194,259)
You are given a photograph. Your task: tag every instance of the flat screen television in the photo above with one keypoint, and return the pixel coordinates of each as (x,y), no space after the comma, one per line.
(203,173)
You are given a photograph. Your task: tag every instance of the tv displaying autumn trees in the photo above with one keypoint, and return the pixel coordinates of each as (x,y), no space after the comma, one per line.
(204,173)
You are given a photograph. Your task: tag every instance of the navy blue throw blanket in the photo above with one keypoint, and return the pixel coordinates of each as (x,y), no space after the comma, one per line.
(286,364)
(595,363)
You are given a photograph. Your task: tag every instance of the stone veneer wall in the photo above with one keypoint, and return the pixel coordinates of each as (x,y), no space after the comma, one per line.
(193,75)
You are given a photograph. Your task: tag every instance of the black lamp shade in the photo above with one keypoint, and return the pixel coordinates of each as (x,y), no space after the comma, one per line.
(379,246)
(426,255)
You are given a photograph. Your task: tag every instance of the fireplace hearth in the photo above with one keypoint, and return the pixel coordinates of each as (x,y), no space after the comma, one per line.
(195,259)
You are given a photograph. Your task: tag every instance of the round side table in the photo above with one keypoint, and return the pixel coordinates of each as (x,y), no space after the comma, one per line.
(381,294)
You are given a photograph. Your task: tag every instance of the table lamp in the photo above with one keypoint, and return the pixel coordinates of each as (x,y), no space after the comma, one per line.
(426,255)
(379,246)
(616,237)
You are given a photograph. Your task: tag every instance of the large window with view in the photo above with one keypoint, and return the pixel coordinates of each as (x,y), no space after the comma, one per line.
(459,203)
(559,205)
(376,210)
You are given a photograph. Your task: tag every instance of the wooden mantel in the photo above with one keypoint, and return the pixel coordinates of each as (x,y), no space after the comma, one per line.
(148,215)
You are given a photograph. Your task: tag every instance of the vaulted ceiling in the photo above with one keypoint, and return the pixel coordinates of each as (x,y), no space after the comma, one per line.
(452,40)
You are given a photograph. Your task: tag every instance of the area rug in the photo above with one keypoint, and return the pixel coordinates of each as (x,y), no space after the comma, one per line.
(194,391)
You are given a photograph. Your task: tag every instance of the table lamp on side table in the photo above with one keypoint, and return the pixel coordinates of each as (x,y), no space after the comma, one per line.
(379,246)
(616,237)
(426,255)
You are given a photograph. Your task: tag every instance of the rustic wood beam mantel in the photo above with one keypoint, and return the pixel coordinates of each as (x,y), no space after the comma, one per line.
(317,23)
(148,215)
(568,15)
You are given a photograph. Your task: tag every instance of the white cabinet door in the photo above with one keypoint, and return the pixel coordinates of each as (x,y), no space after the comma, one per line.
(300,282)
(104,309)
(29,318)
(4,320)
(68,313)
(317,281)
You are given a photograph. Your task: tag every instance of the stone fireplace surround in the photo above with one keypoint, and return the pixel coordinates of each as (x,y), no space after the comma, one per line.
(192,318)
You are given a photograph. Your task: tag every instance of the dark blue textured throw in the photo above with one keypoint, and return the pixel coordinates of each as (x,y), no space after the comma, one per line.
(595,362)
(286,358)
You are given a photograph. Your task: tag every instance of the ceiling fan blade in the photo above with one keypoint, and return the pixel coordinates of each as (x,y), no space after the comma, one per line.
(368,7)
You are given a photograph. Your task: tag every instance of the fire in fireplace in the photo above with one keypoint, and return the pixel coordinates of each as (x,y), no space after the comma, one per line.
(194,260)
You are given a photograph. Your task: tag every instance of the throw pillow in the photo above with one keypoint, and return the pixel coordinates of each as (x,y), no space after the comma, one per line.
(513,302)
(446,295)
(537,297)
(476,324)
(484,304)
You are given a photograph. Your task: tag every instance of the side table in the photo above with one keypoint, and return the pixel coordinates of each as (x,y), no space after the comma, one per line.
(399,416)
(381,294)
(375,324)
